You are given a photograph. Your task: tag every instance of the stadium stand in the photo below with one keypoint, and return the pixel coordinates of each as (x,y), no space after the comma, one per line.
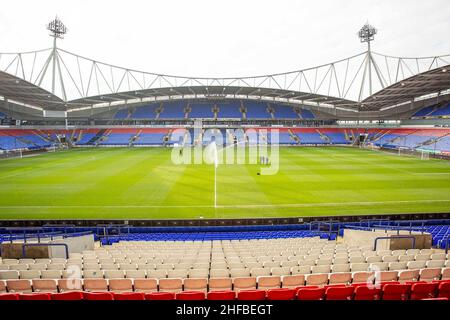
(11,139)
(256,110)
(212,110)
(173,110)
(283,112)
(145,112)
(118,137)
(306,114)
(199,110)
(254,269)
(151,136)
(229,110)
(428,139)
(434,111)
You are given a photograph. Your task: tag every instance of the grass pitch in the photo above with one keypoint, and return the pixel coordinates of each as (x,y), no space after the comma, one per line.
(143,183)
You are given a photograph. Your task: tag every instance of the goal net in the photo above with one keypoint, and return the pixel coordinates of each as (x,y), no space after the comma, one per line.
(6,154)
(57,147)
(425,155)
(418,153)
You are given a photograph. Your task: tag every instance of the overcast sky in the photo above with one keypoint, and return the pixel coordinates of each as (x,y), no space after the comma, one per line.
(226,38)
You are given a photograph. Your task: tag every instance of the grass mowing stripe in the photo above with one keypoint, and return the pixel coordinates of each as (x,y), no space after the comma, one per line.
(142,183)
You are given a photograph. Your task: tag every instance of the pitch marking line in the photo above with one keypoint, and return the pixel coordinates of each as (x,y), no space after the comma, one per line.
(291,205)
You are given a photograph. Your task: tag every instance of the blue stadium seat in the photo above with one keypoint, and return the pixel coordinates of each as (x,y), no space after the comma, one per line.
(284,112)
(306,114)
(201,111)
(229,110)
(145,112)
(256,110)
(173,110)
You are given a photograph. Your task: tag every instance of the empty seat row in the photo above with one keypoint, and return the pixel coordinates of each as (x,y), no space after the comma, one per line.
(386,291)
(205,284)
(150,272)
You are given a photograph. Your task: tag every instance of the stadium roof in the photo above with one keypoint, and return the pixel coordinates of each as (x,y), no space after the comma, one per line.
(28,94)
(56,79)
(421,85)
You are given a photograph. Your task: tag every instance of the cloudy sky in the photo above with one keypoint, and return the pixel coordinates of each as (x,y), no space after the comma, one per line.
(227,38)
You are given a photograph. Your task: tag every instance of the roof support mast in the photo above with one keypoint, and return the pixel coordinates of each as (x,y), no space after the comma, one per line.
(58,30)
(367,34)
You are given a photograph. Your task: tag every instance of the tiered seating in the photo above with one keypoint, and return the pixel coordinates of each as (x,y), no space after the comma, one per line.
(229,110)
(213,235)
(122,114)
(306,114)
(256,110)
(433,139)
(119,137)
(424,112)
(439,234)
(145,112)
(442,111)
(433,111)
(309,136)
(284,112)
(412,138)
(284,138)
(307,267)
(173,110)
(386,291)
(151,137)
(443,144)
(21,139)
(199,110)
(87,136)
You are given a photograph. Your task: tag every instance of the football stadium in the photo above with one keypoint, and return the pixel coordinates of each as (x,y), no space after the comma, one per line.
(324,183)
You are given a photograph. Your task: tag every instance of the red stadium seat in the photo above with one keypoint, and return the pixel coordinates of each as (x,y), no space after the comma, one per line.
(190,295)
(437,299)
(252,295)
(396,292)
(160,296)
(306,287)
(281,294)
(129,296)
(421,291)
(367,293)
(444,290)
(9,296)
(72,295)
(337,285)
(339,293)
(311,293)
(36,296)
(98,296)
(222,295)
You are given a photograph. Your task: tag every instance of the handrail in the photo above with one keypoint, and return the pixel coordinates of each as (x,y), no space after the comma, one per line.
(401,228)
(394,237)
(25,245)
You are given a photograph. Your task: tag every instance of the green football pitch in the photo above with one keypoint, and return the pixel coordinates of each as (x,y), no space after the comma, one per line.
(143,183)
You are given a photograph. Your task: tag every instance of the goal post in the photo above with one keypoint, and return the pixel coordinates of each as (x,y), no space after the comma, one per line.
(425,155)
(11,154)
